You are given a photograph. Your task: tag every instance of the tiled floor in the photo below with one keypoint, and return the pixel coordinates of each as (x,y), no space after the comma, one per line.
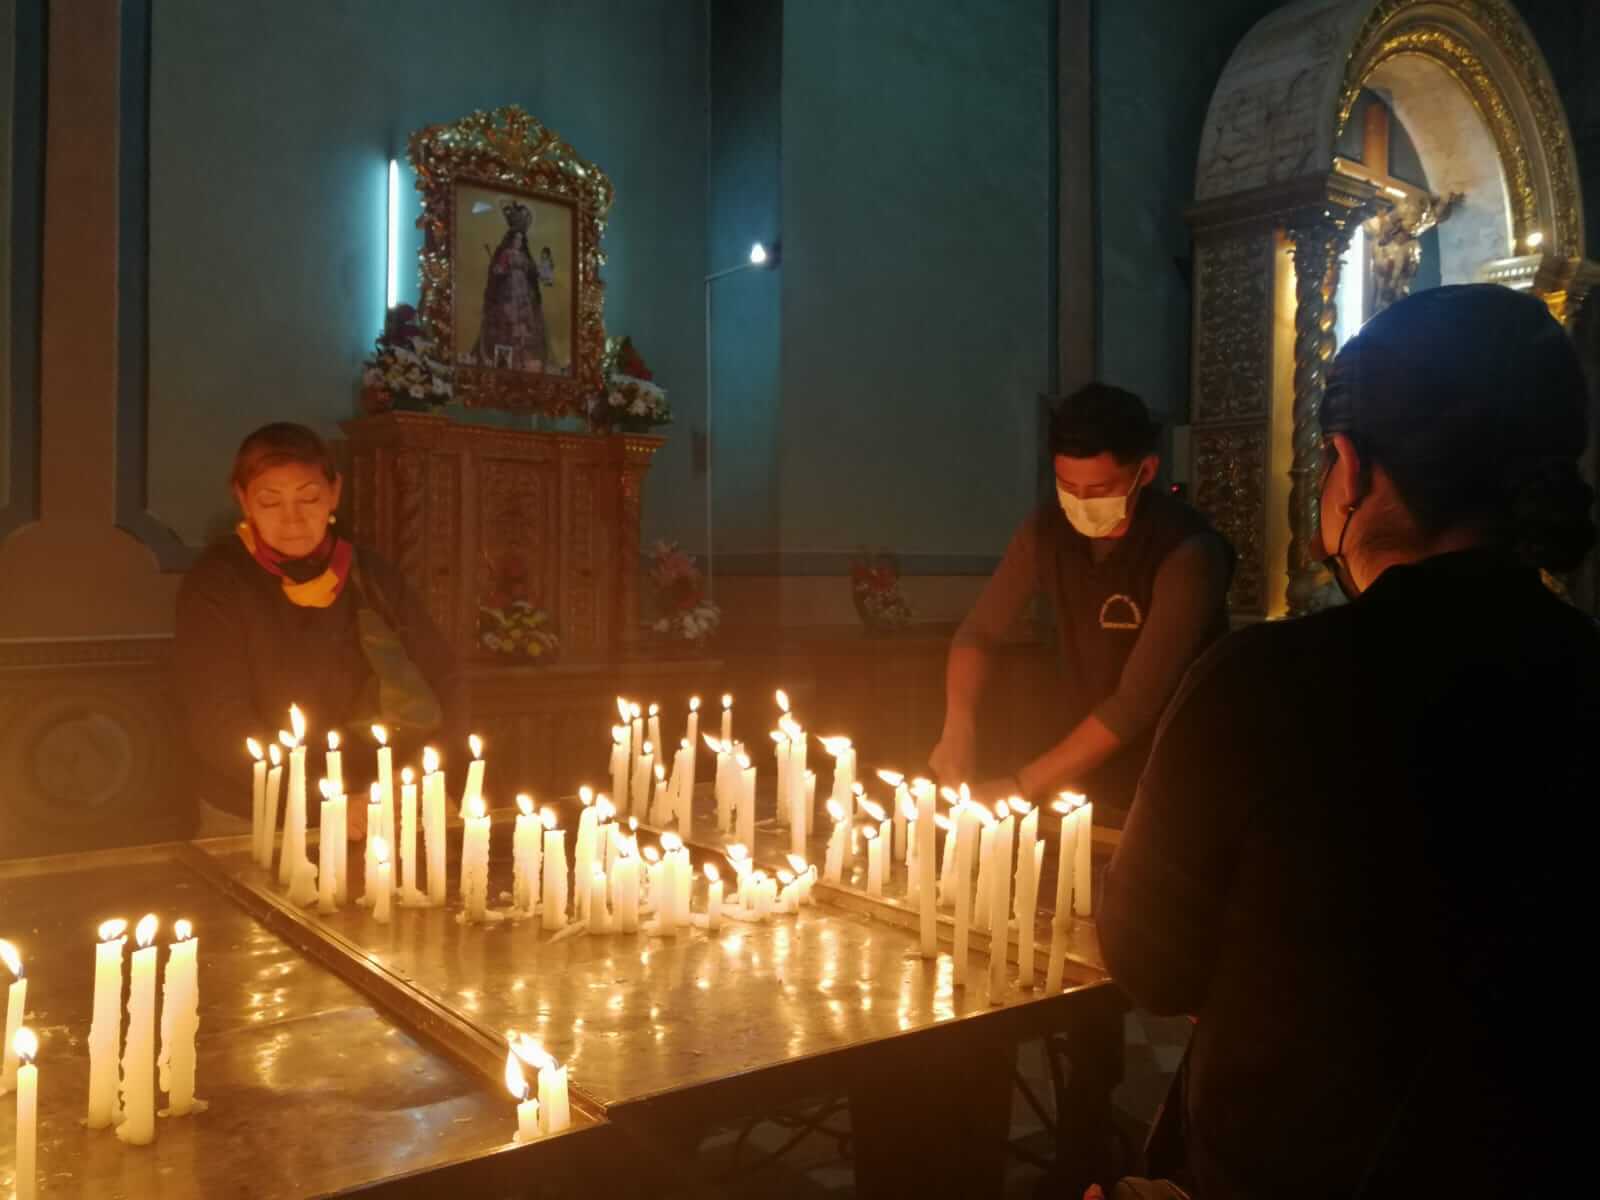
(817,1165)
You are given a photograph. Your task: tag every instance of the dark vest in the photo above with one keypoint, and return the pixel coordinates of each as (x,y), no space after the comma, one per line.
(1100,609)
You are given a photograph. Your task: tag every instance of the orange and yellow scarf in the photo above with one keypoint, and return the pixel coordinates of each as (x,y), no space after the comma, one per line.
(314,581)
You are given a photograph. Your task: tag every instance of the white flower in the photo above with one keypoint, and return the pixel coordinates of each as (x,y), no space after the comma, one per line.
(638,408)
(418,392)
(616,399)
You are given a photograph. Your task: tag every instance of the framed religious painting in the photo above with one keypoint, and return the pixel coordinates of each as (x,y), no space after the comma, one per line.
(510,261)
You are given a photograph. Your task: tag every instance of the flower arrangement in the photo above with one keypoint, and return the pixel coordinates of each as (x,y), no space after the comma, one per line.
(875,587)
(518,631)
(680,595)
(632,399)
(405,370)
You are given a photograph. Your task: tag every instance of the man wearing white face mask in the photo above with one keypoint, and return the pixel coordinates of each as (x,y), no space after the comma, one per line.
(1137,583)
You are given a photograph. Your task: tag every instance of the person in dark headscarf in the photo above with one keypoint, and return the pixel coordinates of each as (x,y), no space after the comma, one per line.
(1337,858)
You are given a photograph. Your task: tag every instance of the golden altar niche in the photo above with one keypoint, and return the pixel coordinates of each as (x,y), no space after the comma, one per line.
(456,507)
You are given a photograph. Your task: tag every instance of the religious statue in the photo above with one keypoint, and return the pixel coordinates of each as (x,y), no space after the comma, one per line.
(1396,249)
(512,334)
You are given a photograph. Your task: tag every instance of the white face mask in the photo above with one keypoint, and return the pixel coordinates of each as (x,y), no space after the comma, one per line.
(1095,518)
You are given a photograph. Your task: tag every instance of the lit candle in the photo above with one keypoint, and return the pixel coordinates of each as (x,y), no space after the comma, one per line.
(1066,859)
(25,1046)
(383,889)
(138,1126)
(473,788)
(739,860)
(947,870)
(258,804)
(691,737)
(555,1115)
(874,861)
(1027,834)
(526,852)
(985,896)
(327,856)
(385,781)
(303,887)
(105,1028)
(683,786)
(619,763)
(625,882)
(180,1021)
(833,864)
(721,788)
(653,736)
(374,836)
(746,826)
(16,1002)
(527,1106)
(804,876)
(670,891)
(713,898)
(636,734)
(780,756)
(433,825)
(334,769)
(1000,906)
(555,873)
(269,805)
(967,819)
(643,772)
(294,821)
(927,893)
(652,878)
(1027,918)
(475,861)
(660,800)
(599,914)
(583,853)
(408,835)
(727,720)
(1083,867)
(908,810)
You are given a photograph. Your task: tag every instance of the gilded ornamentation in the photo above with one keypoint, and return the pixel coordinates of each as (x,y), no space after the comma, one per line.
(581,537)
(408,496)
(508,149)
(1396,27)
(515,519)
(444,559)
(1231,469)
(1232,356)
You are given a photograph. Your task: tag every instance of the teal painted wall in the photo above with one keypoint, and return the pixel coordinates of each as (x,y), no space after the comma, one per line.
(271,126)
(916,151)
(1156,64)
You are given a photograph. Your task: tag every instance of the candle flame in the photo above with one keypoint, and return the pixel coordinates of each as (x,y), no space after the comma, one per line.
(430,760)
(873,809)
(547,818)
(694,703)
(950,795)
(477,809)
(475,744)
(146,931)
(525,804)
(857,789)
(892,778)
(380,851)
(635,711)
(333,739)
(407,776)
(1002,810)
(869,832)
(375,794)
(966,794)
(1073,800)
(671,842)
(779,737)
(798,863)
(985,817)
(110,931)
(943,822)
(515,1083)
(26,1044)
(382,734)
(727,700)
(275,754)
(712,874)
(835,745)
(737,852)
(908,806)
(920,782)
(792,727)
(622,708)
(647,749)
(744,762)
(12,959)
(297,722)
(1020,806)
(835,811)
(633,824)
(783,700)
(253,747)
(661,773)
(286,739)
(652,855)
(712,744)
(655,710)
(182,930)
(785,877)
(325,786)
(586,795)
(619,734)
(683,744)
(529,1051)
(604,807)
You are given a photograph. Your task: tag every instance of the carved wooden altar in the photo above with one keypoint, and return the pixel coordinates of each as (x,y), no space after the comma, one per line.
(457,508)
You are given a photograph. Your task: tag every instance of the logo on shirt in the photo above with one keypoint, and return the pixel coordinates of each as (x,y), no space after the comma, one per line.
(1120,612)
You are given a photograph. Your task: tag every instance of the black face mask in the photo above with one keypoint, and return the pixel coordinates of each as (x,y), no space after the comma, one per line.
(1334,562)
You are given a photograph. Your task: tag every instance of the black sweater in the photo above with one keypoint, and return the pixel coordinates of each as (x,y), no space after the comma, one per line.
(1356,856)
(245,653)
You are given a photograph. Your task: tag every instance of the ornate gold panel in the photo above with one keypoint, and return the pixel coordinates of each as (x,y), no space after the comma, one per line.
(1231,488)
(1233,350)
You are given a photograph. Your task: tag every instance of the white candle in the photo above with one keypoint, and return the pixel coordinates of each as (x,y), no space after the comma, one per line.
(727,720)
(374,836)
(475,861)
(555,874)
(383,884)
(966,837)
(25,1046)
(138,1126)
(643,773)
(654,734)
(333,770)
(721,790)
(473,788)
(583,854)
(433,833)
(1083,868)
(664,889)
(385,782)
(739,860)
(1028,908)
(619,764)
(804,876)
(269,805)
(808,805)
(260,846)
(294,818)
(625,882)
(691,737)
(874,861)
(16,1002)
(683,792)
(180,1021)
(780,758)
(527,1106)
(844,773)
(913,878)
(660,800)
(1027,835)
(327,857)
(927,894)
(341,846)
(713,898)
(555,1115)
(985,896)
(105,1028)
(526,851)
(746,826)
(947,870)
(408,834)
(636,737)
(833,864)
(1066,858)
(1000,908)
(303,887)
(599,914)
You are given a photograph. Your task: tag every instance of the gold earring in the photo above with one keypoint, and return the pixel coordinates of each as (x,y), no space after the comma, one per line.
(333,518)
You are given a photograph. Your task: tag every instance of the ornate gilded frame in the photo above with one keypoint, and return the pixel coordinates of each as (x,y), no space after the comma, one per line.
(511,150)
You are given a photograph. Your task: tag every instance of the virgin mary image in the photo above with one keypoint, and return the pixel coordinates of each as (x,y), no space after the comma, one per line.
(512,333)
